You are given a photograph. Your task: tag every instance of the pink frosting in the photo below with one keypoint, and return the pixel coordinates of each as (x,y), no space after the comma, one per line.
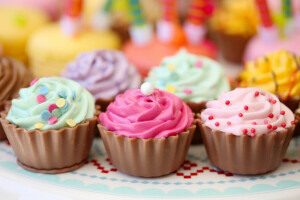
(247,111)
(158,115)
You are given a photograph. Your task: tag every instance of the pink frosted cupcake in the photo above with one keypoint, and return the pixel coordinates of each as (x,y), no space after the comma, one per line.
(246,131)
(147,122)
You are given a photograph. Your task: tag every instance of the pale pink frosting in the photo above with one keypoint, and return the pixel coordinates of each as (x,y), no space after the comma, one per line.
(248,111)
(136,115)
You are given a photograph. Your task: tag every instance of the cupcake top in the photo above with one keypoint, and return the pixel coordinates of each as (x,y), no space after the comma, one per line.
(190,77)
(277,73)
(51,103)
(104,73)
(247,111)
(13,77)
(152,114)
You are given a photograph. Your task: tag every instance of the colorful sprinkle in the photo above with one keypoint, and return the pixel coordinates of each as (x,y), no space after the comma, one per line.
(61,102)
(217,123)
(45,115)
(246,107)
(161,83)
(52,120)
(62,95)
(227,102)
(252,134)
(240,114)
(292,122)
(40,98)
(38,126)
(256,93)
(34,81)
(253,123)
(199,64)
(52,107)
(73,94)
(43,90)
(188,91)
(65,107)
(282,112)
(274,101)
(283,125)
(252,130)
(271,115)
(245,131)
(211,117)
(228,123)
(171,67)
(274,127)
(171,88)
(266,121)
(71,122)
(269,126)
(56,113)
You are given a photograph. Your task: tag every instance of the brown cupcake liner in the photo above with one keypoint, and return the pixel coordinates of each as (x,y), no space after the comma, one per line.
(297,118)
(4,106)
(103,103)
(51,151)
(147,157)
(245,155)
(292,102)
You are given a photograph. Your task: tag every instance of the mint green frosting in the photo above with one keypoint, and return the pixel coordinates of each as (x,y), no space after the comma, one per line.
(182,75)
(26,111)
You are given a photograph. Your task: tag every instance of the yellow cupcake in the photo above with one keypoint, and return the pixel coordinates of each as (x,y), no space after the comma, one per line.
(277,73)
(49,50)
(17,24)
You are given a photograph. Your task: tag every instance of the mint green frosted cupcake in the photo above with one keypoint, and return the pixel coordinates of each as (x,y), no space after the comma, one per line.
(51,125)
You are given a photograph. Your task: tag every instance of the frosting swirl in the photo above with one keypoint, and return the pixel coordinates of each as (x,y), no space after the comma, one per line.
(13,76)
(51,103)
(190,77)
(278,73)
(247,111)
(136,115)
(104,73)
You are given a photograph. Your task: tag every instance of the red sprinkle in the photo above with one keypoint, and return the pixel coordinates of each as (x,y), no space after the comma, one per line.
(274,127)
(256,93)
(227,102)
(266,121)
(40,98)
(211,117)
(245,131)
(271,115)
(252,130)
(283,125)
(52,107)
(252,134)
(188,91)
(240,114)
(269,126)
(246,107)
(217,123)
(254,123)
(228,123)
(270,100)
(292,122)
(282,112)
(34,81)
(52,120)
(274,101)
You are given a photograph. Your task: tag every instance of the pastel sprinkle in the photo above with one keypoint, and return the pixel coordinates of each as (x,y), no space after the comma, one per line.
(246,107)
(274,127)
(51,107)
(211,117)
(282,112)
(271,115)
(256,93)
(293,122)
(61,102)
(252,130)
(217,123)
(269,126)
(227,102)
(228,123)
(34,81)
(245,131)
(45,115)
(171,67)
(38,126)
(199,64)
(266,121)
(283,125)
(188,91)
(252,134)
(253,123)
(73,94)
(62,94)
(71,122)
(171,88)
(240,114)
(66,105)
(52,120)
(43,90)
(162,83)
(40,98)
(56,113)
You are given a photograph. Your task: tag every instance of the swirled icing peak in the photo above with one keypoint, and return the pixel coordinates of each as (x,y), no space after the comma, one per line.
(247,111)
(158,115)
(51,103)
(105,73)
(278,73)
(190,77)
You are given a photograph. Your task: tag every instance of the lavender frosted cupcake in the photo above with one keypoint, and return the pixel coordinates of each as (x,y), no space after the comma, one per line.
(105,73)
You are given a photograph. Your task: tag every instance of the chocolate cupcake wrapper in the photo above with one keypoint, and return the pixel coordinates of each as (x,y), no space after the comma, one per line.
(103,103)
(4,106)
(51,151)
(244,154)
(147,157)
(297,118)
(292,103)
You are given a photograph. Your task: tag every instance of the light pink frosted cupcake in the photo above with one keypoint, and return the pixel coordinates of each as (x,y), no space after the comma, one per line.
(246,131)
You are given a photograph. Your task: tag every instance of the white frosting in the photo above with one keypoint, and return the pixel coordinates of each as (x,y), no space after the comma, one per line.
(147,88)
(165,31)
(194,33)
(141,35)
(101,20)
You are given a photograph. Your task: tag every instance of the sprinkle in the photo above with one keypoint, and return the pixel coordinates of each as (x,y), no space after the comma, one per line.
(271,115)
(217,123)
(171,67)
(147,88)
(211,117)
(293,122)
(56,113)
(228,123)
(227,102)
(73,94)
(283,125)
(38,126)
(71,122)
(274,101)
(34,81)
(274,127)
(62,94)
(270,100)
(45,115)
(43,90)
(40,98)
(253,123)
(199,64)
(162,83)
(63,108)
(61,102)
(256,93)
(188,91)
(246,107)
(51,107)
(240,114)
(269,126)
(282,112)
(266,121)
(245,131)
(252,134)
(171,88)
(252,130)
(52,120)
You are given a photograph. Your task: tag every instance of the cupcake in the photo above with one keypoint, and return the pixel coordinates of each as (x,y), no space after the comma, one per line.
(277,73)
(246,131)
(105,73)
(147,132)
(14,76)
(51,125)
